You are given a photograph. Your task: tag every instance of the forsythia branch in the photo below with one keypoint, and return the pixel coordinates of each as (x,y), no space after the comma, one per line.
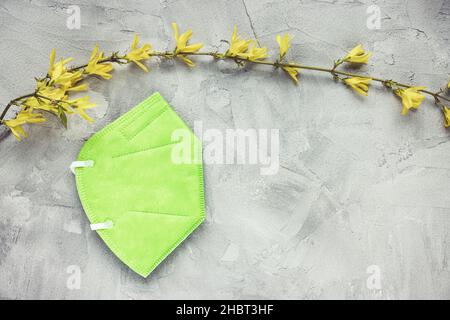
(52,92)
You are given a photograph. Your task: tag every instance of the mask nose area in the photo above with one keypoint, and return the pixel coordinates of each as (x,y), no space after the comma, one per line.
(140,119)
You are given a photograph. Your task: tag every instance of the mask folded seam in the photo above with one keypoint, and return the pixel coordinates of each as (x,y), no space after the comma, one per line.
(144,150)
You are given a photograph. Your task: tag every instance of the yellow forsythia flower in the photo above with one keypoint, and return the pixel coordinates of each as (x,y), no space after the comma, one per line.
(24,117)
(292,72)
(80,105)
(100,69)
(45,104)
(80,87)
(42,104)
(182,41)
(284,43)
(53,93)
(357,55)
(241,48)
(359,84)
(238,46)
(182,44)
(255,53)
(411,98)
(446,112)
(137,54)
(58,73)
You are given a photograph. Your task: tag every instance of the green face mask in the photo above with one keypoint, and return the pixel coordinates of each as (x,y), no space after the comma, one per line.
(141,202)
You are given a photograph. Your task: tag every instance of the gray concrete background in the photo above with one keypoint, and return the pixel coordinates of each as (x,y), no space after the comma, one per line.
(358,184)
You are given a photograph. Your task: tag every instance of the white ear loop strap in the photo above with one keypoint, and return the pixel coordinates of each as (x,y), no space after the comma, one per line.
(88,164)
(81,164)
(102,225)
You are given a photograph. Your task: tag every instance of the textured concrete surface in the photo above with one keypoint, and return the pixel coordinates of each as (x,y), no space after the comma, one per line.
(360,188)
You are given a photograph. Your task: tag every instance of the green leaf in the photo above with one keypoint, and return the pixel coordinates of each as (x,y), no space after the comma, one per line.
(62,116)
